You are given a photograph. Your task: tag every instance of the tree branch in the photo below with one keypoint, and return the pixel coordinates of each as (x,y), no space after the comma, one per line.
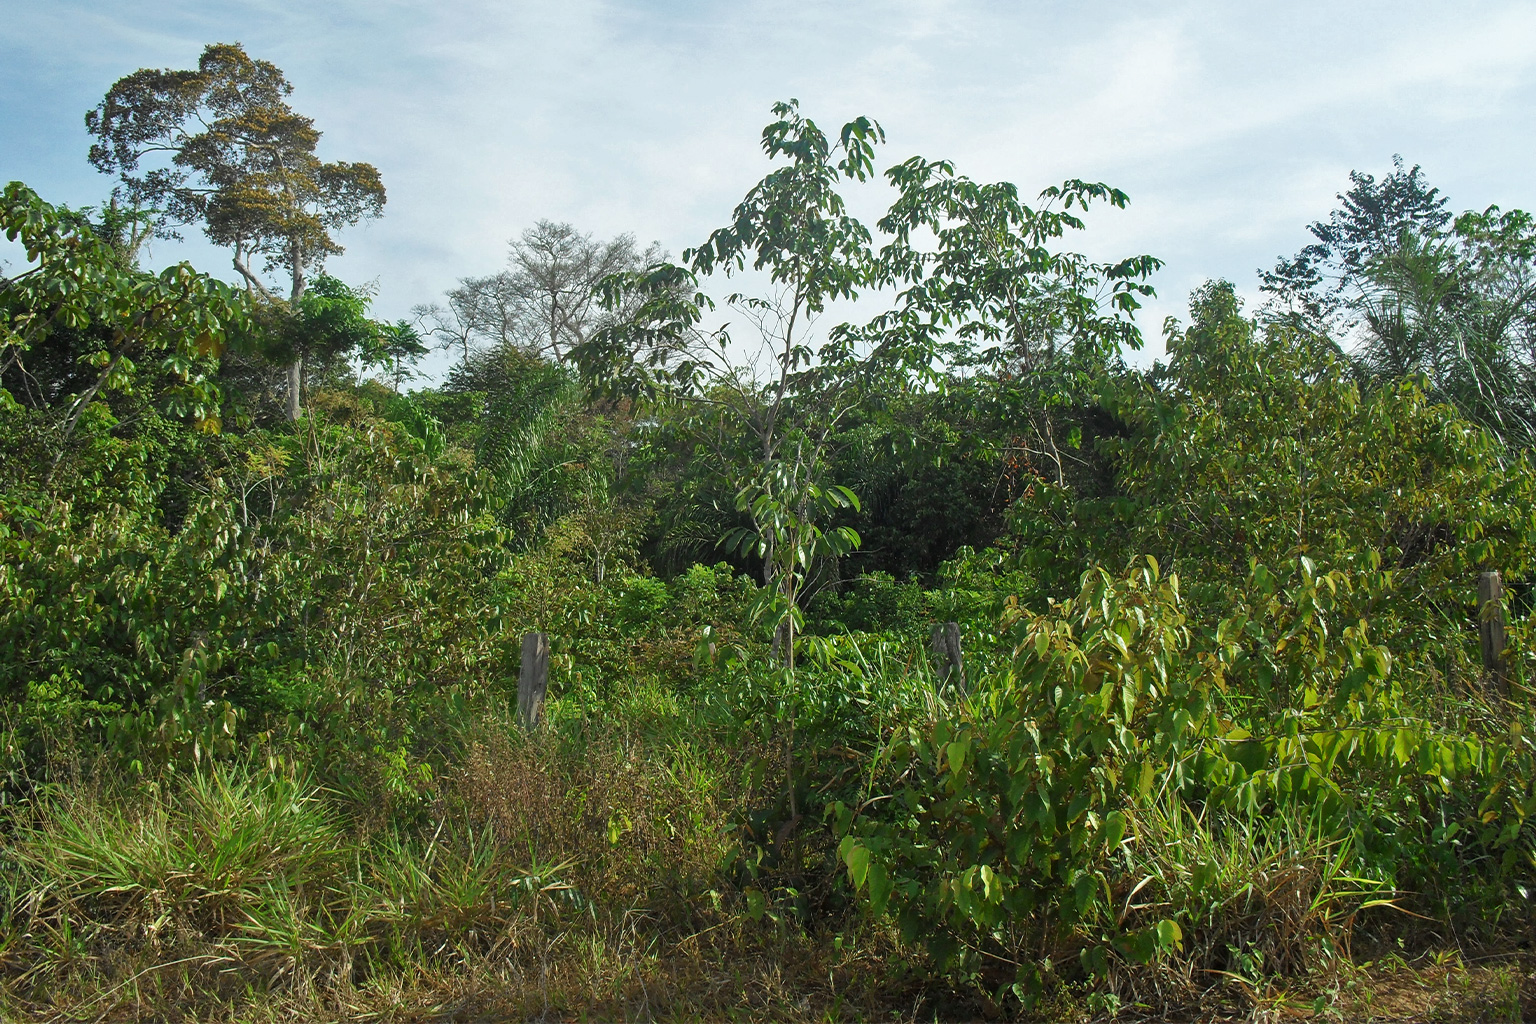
(253,280)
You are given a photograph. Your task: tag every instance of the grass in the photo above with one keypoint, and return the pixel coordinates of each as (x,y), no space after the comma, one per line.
(614,868)
(580,874)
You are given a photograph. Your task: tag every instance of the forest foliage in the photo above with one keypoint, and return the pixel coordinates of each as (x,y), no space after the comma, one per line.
(1223,716)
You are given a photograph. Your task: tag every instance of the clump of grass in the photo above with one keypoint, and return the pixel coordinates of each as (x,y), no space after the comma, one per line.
(224,867)
(550,874)
(1262,901)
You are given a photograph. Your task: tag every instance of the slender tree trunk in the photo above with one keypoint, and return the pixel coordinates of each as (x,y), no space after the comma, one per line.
(295,384)
(75,412)
(794,697)
(296,368)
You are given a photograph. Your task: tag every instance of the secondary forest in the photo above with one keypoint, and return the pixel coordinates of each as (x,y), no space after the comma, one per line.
(1216,733)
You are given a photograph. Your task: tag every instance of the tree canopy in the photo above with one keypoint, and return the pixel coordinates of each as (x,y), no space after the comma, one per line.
(220,147)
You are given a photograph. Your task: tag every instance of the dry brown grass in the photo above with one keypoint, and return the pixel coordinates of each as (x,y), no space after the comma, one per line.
(798,980)
(650,834)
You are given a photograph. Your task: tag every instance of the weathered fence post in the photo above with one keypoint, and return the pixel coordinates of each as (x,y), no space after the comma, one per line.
(533,680)
(946,653)
(1490,628)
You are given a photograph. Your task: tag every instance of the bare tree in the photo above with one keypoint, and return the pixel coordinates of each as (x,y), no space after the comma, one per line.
(546,302)
(480,312)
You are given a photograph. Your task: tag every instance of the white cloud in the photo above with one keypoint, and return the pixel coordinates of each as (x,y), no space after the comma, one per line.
(1231,125)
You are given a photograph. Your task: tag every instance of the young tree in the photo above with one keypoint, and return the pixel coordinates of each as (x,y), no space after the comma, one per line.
(766,405)
(221,147)
(393,347)
(768,402)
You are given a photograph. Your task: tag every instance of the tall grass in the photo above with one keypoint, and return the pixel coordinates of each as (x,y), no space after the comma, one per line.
(1261,897)
(558,871)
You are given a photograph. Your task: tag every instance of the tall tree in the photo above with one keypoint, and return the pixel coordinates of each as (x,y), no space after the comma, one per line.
(1412,291)
(221,147)
(547,302)
(1322,282)
(478,313)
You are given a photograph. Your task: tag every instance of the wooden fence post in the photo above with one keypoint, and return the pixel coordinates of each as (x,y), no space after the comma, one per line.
(946,653)
(533,680)
(1490,629)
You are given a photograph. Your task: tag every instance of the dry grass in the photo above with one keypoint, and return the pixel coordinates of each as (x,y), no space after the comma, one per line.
(644,830)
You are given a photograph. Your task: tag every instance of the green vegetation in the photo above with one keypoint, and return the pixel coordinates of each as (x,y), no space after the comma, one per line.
(1224,736)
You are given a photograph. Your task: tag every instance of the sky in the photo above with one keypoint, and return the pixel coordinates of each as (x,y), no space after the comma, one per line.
(1230,125)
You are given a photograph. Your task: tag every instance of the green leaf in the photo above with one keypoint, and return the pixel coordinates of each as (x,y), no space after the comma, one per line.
(880,886)
(1113,830)
(956,753)
(856,856)
(757,904)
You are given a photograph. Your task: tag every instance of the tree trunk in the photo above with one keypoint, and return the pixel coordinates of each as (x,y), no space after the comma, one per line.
(1491,631)
(295,384)
(947,656)
(533,680)
(296,368)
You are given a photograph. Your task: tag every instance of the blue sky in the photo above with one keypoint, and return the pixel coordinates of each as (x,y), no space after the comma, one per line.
(1231,125)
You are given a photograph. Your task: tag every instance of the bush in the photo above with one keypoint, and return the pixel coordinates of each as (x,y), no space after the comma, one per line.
(1011,842)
